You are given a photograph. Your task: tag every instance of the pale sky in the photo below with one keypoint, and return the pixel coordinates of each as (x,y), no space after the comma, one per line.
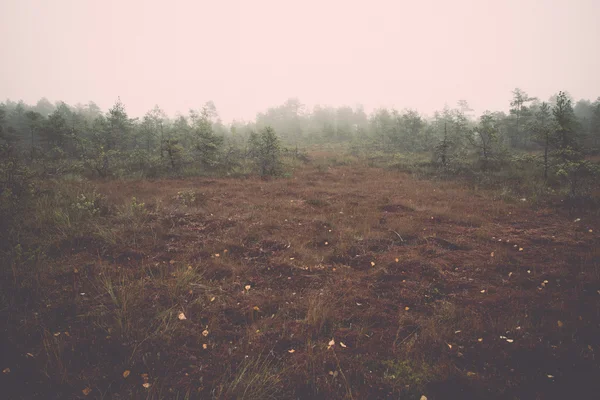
(247,55)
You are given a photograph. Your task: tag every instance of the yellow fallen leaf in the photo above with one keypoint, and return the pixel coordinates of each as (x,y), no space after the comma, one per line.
(406,308)
(255,308)
(146,385)
(247,287)
(397,260)
(520,249)
(86,391)
(343,345)
(590,231)
(560,324)
(423,397)
(492,254)
(449,345)
(75,270)
(326,243)
(126,373)
(291,351)
(480,340)
(225,251)
(331,343)
(205,332)
(212,299)
(510,340)
(205,346)
(470,373)
(372,264)
(6,371)
(181,316)
(29,355)
(483,291)
(550,376)
(57,334)
(217,255)
(144,376)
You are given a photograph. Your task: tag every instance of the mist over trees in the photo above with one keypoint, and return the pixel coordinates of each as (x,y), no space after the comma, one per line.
(554,136)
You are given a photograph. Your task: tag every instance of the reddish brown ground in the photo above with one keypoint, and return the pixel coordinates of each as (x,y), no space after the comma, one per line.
(421,281)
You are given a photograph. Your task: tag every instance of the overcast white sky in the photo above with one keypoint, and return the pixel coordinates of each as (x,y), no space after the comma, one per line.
(247,55)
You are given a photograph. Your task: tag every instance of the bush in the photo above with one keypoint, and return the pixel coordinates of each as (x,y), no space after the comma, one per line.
(16,192)
(265,151)
(580,176)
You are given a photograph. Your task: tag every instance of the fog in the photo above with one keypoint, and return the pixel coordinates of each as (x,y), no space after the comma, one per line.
(249,55)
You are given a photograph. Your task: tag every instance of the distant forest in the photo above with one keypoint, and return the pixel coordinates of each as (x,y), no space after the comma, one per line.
(557,137)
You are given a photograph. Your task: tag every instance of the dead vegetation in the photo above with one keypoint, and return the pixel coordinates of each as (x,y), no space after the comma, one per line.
(230,288)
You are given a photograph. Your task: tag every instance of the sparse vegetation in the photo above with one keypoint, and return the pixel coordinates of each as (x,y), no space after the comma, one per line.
(237,291)
(324,254)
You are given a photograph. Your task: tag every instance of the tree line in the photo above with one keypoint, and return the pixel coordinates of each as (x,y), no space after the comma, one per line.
(557,136)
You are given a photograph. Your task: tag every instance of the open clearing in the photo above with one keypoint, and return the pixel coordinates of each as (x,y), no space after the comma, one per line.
(235,288)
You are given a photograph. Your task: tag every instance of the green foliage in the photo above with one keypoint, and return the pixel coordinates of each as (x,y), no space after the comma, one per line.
(101,163)
(135,215)
(408,373)
(55,132)
(265,150)
(88,205)
(174,153)
(117,126)
(16,192)
(442,151)
(565,121)
(485,139)
(521,115)
(579,174)
(65,210)
(544,131)
(207,144)
(52,141)
(189,198)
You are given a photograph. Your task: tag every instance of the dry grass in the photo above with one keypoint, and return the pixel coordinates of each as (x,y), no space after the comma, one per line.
(266,273)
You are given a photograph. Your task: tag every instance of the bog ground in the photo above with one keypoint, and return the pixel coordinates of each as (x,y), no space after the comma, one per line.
(339,282)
